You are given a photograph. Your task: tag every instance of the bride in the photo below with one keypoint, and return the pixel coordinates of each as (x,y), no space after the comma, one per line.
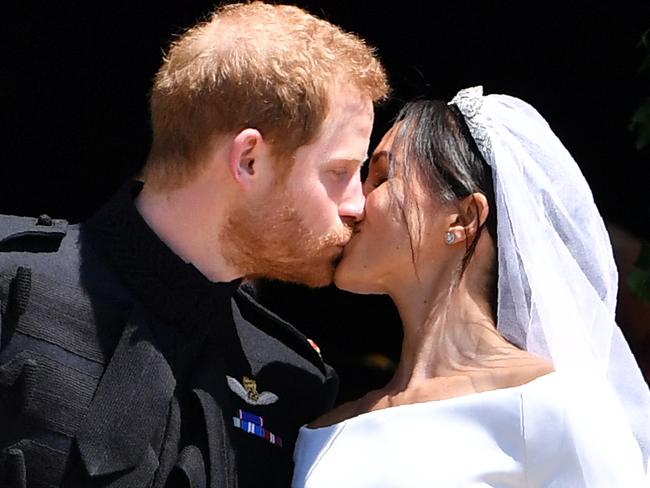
(513,372)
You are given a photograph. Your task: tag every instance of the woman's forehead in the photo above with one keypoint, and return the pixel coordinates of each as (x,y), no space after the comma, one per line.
(384,144)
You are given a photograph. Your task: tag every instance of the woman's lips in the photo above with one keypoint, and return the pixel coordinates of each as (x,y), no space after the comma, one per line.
(352,239)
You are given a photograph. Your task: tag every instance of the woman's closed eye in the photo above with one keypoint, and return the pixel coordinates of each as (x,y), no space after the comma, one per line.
(378,171)
(374,180)
(378,181)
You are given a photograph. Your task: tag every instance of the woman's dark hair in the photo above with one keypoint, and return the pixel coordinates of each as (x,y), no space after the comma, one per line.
(433,144)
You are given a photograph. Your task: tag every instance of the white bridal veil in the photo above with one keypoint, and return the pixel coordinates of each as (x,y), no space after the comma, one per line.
(557,278)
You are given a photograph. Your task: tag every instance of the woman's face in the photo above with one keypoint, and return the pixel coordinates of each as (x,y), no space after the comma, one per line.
(380,254)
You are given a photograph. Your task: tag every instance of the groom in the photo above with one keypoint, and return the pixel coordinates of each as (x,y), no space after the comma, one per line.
(129,355)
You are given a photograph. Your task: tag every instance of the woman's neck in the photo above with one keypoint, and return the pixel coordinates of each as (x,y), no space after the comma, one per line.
(448,331)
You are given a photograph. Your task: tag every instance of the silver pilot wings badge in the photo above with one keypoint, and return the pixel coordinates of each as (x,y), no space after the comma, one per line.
(247,391)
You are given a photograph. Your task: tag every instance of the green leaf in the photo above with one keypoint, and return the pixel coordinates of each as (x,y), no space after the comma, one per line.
(643,260)
(639,283)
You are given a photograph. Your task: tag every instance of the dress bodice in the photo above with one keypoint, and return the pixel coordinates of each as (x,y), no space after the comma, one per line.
(551,431)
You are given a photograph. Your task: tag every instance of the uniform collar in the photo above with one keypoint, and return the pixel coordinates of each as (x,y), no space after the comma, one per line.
(169,287)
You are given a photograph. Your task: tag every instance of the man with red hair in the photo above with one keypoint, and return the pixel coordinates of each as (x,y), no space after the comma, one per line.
(130,356)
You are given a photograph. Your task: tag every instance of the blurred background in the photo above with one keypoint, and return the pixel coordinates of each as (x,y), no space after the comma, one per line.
(73,96)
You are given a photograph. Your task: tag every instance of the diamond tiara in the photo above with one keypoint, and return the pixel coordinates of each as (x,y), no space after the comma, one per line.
(469,102)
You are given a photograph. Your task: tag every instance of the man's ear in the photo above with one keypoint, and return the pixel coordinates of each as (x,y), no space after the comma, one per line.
(472,213)
(247,147)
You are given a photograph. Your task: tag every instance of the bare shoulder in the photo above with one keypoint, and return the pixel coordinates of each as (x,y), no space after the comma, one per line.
(514,371)
(509,373)
(347,410)
(524,370)
(336,415)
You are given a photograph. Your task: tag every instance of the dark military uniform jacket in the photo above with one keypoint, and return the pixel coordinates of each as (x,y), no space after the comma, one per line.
(123,366)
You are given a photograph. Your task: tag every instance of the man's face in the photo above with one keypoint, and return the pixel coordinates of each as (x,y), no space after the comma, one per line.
(297,231)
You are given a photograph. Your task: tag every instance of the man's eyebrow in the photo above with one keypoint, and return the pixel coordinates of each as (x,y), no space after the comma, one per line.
(348,160)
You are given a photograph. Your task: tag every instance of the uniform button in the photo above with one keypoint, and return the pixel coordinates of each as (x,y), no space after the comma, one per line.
(44,220)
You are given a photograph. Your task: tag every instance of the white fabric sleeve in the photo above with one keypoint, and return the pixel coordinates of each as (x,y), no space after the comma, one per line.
(577,437)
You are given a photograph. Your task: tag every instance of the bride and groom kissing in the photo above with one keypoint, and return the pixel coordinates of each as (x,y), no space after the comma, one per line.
(132,356)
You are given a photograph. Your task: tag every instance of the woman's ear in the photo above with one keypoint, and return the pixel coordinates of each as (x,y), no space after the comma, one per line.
(472,213)
(246,148)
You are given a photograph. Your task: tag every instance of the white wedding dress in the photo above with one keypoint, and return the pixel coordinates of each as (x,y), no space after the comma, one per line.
(554,431)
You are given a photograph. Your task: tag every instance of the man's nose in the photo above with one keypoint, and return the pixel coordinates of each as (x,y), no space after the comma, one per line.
(353,202)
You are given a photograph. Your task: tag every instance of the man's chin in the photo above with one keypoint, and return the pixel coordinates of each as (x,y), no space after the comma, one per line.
(311,281)
(312,275)
(321,274)
(319,278)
